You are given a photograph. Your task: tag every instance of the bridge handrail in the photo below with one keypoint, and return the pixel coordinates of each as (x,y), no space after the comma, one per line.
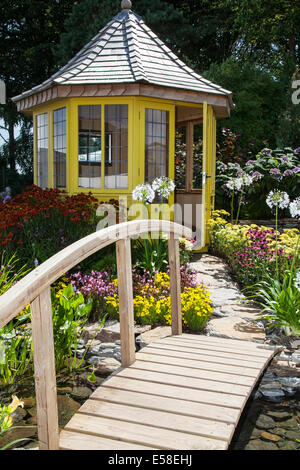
(34,288)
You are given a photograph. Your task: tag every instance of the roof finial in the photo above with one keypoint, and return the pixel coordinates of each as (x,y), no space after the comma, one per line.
(126,5)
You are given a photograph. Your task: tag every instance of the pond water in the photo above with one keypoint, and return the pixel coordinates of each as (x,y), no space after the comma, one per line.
(267,425)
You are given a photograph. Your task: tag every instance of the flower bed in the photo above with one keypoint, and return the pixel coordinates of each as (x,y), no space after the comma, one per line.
(40,222)
(250,250)
(151,293)
(245,187)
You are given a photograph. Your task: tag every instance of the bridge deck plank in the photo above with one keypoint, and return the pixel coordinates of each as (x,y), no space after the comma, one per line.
(182,392)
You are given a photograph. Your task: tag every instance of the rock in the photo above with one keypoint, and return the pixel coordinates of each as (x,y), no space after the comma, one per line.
(265,422)
(293,435)
(21,431)
(18,415)
(93,360)
(107,346)
(63,390)
(258,444)
(236,328)
(29,402)
(157,333)
(110,332)
(107,366)
(292,424)
(267,436)
(288,445)
(273,395)
(279,415)
(81,393)
(67,407)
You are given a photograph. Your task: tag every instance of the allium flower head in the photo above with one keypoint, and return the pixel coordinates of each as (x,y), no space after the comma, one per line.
(143,192)
(295,207)
(278,198)
(163,186)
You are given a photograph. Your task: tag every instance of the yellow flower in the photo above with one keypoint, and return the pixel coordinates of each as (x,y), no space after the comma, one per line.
(15,403)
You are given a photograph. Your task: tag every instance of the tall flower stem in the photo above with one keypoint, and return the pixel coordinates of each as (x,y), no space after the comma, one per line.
(238,212)
(232,198)
(276,246)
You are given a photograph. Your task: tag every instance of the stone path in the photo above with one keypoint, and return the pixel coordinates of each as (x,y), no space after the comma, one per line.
(232,317)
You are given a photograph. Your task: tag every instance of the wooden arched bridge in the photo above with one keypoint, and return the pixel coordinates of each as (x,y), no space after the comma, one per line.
(182,392)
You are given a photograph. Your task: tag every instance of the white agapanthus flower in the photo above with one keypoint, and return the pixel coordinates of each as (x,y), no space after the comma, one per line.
(295,207)
(238,183)
(143,192)
(278,198)
(164,186)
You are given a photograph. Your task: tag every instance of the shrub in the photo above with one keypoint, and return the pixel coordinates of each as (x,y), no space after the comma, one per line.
(38,223)
(250,250)
(152,304)
(269,170)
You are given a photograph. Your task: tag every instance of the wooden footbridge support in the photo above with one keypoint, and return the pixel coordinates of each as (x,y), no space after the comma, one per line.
(182,392)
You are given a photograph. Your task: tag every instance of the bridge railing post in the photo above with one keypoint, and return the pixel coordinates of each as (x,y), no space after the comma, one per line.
(123,250)
(44,371)
(175,284)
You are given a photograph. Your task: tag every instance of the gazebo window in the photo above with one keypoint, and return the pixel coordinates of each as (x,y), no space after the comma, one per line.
(42,149)
(156,144)
(116,146)
(59,147)
(89,151)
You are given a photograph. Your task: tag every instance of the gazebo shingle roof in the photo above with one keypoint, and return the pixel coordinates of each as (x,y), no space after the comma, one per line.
(127,51)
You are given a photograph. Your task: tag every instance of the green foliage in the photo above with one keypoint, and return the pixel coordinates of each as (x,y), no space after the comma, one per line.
(280,301)
(15,350)
(70,313)
(259,99)
(9,274)
(151,254)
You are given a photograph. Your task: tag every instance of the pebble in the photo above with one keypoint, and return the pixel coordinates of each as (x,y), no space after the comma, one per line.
(267,436)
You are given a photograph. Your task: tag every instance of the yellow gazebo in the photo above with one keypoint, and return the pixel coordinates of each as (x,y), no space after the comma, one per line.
(106,121)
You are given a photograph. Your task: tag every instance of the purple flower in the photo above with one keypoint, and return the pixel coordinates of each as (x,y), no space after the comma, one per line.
(297,150)
(285,159)
(223,166)
(36,262)
(250,162)
(275,172)
(296,170)
(256,175)
(288,173)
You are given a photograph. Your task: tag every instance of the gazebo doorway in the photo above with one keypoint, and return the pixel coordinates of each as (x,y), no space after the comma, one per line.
(194,194)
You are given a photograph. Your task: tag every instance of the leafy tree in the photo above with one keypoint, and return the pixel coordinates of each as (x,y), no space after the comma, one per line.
(259,99)
(85,22)
(28,32)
